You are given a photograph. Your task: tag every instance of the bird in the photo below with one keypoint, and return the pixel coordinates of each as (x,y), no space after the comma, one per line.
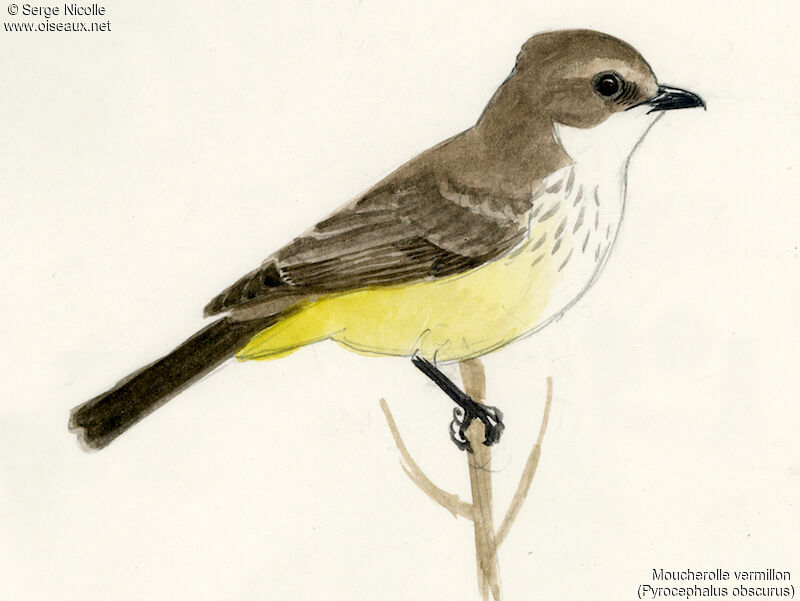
(483,239)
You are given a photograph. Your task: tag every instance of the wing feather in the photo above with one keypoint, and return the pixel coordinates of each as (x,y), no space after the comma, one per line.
(399,232)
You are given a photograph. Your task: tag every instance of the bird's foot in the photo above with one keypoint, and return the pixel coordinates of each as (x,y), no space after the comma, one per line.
(463,415)
(466,411)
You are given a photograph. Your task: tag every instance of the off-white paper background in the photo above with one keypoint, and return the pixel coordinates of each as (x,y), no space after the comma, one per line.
(143,170)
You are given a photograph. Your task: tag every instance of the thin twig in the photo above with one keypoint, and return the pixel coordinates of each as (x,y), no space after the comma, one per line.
(527,474)
(449,501)
(480,475)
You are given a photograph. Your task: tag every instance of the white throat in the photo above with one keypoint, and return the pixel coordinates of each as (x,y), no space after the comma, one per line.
(607,148)
(580,207)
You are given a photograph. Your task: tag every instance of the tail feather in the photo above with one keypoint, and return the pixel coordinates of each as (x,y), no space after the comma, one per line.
(99,421)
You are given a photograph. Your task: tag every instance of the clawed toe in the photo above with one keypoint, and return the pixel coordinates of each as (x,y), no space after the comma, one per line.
(491,417)
(466,411)
(458,431)
(494,425)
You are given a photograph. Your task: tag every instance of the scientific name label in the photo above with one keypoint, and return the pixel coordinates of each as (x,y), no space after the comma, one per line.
(717,583)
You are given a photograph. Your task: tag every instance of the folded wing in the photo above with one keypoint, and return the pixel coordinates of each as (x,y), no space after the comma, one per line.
(403,231)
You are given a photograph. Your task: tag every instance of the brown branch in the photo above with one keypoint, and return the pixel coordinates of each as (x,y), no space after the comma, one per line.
(527,474)
(480,511)
(447,500)
(480,478)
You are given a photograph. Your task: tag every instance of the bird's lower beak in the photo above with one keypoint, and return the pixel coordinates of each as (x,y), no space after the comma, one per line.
(669,98)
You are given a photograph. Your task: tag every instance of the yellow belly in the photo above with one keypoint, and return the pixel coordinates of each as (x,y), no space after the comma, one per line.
(454,318)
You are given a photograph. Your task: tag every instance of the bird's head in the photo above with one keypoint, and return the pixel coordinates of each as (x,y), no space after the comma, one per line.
(591,91)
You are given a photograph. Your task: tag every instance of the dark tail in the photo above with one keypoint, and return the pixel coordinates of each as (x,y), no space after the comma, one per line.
(101,420)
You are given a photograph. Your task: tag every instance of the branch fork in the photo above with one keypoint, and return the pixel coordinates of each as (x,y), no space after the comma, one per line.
(480,511)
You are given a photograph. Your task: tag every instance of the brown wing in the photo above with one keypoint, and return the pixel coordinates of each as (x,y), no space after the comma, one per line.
(399,232)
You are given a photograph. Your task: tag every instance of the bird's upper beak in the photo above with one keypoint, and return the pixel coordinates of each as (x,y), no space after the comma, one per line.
(669,98)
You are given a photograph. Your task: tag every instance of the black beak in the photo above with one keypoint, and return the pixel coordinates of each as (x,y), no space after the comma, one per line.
(669,98)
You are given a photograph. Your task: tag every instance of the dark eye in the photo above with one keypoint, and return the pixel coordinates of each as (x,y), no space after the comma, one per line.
(608,84)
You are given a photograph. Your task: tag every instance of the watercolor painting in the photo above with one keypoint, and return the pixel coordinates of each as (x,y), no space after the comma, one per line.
(485,238)
(399,300)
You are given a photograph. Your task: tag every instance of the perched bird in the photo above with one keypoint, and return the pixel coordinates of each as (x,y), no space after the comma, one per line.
(474,243)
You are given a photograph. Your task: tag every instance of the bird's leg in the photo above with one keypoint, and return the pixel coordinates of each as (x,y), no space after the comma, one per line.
(467,409)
